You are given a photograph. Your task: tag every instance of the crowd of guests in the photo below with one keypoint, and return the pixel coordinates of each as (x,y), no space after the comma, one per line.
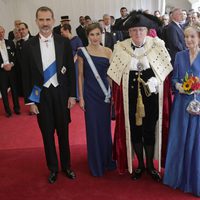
(141,80)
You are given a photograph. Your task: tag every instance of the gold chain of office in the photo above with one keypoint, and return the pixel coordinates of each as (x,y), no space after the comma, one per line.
(140,56)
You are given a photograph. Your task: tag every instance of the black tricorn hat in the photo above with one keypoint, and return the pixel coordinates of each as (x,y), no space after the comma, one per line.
(64,18)
(138,19)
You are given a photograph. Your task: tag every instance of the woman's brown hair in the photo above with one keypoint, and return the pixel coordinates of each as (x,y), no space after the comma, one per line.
(93,26)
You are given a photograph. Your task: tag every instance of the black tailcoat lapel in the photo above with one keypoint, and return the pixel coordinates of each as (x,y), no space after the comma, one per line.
(37,53)
(59,53)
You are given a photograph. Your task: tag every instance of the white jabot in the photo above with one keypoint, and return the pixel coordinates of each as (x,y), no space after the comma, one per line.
(48,57)
(4,53)
(144,61)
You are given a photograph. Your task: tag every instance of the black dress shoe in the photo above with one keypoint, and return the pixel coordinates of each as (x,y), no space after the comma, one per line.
(69,173)
(8,114)
(137,173)
(17,112)
(52,177)
(155,175)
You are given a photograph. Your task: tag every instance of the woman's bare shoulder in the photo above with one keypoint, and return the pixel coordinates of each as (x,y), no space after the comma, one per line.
(108,52)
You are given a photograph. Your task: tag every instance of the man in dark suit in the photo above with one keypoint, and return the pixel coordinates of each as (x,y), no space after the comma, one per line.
(107,38)
(25,35)
(49,88)
(117,35)
(64,20)
(8,73)
(174,36)
(124,14)
(80,31)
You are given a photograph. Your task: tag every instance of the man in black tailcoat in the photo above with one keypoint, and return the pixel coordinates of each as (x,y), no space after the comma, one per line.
(81,32)
(49,88)
(8,73)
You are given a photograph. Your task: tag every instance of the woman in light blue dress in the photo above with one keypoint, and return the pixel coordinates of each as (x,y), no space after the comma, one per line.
(182,169)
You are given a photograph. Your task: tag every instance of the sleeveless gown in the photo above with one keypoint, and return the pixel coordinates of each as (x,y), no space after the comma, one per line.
(97,117)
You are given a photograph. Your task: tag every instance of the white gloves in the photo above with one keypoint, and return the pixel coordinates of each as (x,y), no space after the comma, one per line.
(179,87)
(153,85)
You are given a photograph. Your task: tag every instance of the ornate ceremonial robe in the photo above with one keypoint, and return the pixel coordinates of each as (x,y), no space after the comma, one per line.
(118,71)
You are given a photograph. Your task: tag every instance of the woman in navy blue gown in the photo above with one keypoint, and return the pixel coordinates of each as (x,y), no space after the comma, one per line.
(92,101)
(182,169)
(76,43)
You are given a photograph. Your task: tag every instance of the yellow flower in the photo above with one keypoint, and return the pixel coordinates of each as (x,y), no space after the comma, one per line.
(187,85)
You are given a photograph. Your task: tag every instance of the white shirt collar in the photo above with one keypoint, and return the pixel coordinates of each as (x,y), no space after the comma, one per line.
(46,39)
(176,23)
(124,17)
(140,45)
(26,37)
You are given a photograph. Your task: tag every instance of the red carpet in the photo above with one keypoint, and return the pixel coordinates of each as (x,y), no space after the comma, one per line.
(23,172)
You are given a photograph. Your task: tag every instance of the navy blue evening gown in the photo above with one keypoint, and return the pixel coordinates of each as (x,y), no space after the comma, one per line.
(97,117)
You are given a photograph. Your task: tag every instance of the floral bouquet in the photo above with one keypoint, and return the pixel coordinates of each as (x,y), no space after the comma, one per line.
(191,85)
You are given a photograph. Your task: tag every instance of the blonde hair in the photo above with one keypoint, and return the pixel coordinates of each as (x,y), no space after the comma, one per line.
(195,26)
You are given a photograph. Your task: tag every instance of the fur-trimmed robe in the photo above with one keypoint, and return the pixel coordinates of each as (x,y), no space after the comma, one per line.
(118,71)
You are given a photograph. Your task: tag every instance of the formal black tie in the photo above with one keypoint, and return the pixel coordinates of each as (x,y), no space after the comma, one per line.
(134,46)
(181,26)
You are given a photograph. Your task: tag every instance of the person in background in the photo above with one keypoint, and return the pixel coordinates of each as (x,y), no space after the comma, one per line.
(189,18)
(165,20)
(124,14)
(195,17)
(174,37)
(81,32)
(95,101)
(157,13)
(50,89)
(116,35)
(66,31)
(106,37)
(11,33)
(112,18)
(182,168)
(88,21)
(8,73)
(25,36)
(63,20)
(184,22)
(138,68)
(17,36)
